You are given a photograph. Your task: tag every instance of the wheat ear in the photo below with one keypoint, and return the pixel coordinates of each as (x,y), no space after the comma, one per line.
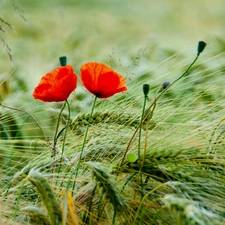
(108,117)
(109,188)
(37,215)
(44,189)
(189,212)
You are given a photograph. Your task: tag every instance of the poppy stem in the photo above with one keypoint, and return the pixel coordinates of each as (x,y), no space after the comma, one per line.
(149,111)
(87,128)
(66,128)
(56,130)
(139,141)
(65,133)
(82,148)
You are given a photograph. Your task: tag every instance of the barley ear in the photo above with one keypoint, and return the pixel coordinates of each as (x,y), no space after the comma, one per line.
(108,186)
(37,215)
(44,189)
(189,212)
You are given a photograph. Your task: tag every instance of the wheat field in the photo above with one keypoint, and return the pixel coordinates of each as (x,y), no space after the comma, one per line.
(152,159)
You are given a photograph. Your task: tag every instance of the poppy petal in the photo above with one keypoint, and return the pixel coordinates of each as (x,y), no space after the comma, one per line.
(101,80)
(56,85)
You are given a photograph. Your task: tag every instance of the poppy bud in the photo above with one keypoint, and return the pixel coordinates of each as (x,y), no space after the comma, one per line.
(63,60)
(165,85)
(146,88)
(201,46)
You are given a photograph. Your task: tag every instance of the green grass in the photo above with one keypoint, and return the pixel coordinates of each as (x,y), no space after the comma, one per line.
(181,179)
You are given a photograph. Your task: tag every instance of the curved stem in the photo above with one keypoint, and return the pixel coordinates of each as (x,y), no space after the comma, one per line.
(75,172)
(21,110)
(56,130)
(86,131)
(139,142)
(139,138)
(150,109)
(65,134)
(144,198)
(66,128)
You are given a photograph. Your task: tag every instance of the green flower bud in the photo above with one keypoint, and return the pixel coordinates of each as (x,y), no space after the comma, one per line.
(146,88)
(63,60)
(165,85)
(201,46)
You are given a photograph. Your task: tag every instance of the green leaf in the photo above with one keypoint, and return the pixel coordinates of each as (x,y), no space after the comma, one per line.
(131,157)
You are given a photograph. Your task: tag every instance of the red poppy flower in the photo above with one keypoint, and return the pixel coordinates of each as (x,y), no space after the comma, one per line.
(57,85)
(101,80)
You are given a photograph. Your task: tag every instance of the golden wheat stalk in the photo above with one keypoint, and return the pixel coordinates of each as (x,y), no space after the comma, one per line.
(71,206)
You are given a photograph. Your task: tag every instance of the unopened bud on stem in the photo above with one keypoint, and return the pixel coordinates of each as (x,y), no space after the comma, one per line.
(146,88)
(63,60)
(165,85)
(201,46)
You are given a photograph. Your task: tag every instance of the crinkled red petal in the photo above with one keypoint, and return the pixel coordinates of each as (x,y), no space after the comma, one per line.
(101,80)
(56,85)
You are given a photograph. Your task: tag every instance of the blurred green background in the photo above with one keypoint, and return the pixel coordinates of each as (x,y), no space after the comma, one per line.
(150,40)
(92,29)
(147,41)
